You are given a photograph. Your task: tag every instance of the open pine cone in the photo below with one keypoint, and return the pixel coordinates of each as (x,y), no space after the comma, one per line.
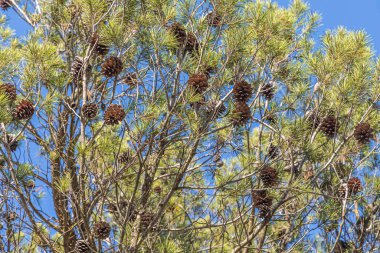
(81,246)
(268,90)
(102,230)
(199,82)
(363,133)
(241,114)
(273,151)
(268,176)
(112,66)
(9,90)
(114,115)
(214,19)
(186,39)
(89,111)
(24,110)
(263,202)
(130,79)
(242,91)
(146,219)
(329,126)
(124,157)
(354,185)
(77,70)
(99,48)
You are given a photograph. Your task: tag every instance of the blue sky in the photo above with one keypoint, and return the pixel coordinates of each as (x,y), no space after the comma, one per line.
(352,14)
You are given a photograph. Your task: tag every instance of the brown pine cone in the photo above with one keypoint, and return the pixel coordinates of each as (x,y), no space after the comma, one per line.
(213,111)
(90,111)
(273,151)
(102,230)
(268,90)
(24,110)
(81,246)
(330,126)
(214,19)
(124,157)
(146,219)
(99,48)
(263,202)
(354,185)
(5,4)
(114,115)
(241,114)
(77,70)
(130,79)
(112,66)
(9,90)
(363,133)
(188,40)
(242,91)
(199,82)
(269,176)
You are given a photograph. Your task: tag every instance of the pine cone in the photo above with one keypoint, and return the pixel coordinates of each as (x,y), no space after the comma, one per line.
(24,110)
(329,126)
(130,79)
(241,114)
(102,230)
(199,82)
(81,246)
(363,133)
(213,111)
(214,19)
(124,157)
(263,202)
(273,151)
(12,142)
(99,48)
(146,219)
(269,176)
(5,4)
(112,208)
(9,90)
(268,90)
(77,70)
(192,44)
(114,115)
(354,185)
(90,111)
(242,91)
(187,39)
(179,31)
(112,66)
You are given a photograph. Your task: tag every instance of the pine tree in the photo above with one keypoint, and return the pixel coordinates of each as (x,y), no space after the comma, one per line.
(186,126)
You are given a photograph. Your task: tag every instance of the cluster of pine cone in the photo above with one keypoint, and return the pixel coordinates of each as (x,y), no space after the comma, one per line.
(242,92)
